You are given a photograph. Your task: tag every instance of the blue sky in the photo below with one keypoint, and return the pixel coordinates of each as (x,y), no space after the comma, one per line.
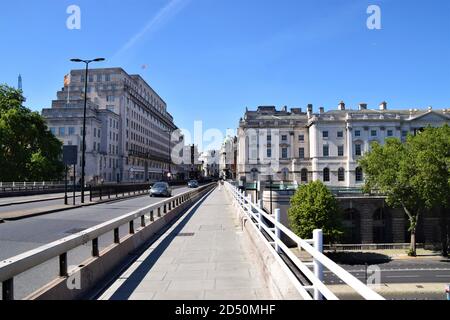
(209,59)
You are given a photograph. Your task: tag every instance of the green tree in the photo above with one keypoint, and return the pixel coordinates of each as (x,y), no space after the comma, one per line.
(28,150)
(313,206)
(388,169)
(430,153)
(413,175)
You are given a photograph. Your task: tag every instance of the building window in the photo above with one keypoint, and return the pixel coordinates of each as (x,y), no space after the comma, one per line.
(62,131)
(404,133)
(99,78)
(340,134)
(326,150)
(269,138)
(95,132)
(357,133)
(301,153)
(326,175)
(71,131)
(358,149)
(304,175)
(359,174)
(340,151)
(269,153)
(301,138)
(284,137)
(373,133)
(110,98)
(284,153)
(107,77)
(53,131)
(325,134)
(341,174)
(390,133)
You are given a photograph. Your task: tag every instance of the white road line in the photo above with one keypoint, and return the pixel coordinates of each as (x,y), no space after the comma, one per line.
(442,276)
(402,276)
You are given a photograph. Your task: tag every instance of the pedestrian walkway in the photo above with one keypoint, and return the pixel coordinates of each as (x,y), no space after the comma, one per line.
(199,257)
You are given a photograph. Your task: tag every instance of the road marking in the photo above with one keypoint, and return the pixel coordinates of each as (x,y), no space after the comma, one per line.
(442,276)
(402,276)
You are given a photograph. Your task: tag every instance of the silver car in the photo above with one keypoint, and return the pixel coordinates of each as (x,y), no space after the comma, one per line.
(161,189)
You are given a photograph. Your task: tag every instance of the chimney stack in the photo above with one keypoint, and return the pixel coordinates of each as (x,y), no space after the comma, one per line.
(363,106)
(341,106)
(383,106)
(321,110)
(310,108)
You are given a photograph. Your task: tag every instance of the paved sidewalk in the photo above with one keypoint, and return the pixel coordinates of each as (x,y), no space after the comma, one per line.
(199,257)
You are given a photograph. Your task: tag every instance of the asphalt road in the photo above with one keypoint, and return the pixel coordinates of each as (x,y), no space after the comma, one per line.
(402,271)
(12,202)
(20,236)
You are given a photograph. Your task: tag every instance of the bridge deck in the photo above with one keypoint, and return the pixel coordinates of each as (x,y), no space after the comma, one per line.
(199,257)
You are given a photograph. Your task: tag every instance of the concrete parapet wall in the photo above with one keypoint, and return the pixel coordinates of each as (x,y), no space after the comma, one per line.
(96,271)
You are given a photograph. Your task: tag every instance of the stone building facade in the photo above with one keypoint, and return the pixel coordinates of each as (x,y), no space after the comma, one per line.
(306,146)
(138,135)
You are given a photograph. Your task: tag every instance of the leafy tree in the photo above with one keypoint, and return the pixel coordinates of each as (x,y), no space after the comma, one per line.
(413,175)
(430,151)
(28,150)
(388,169)
(313,206)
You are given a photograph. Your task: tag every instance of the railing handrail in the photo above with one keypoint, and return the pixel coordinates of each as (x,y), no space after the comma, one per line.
(344,275)
(11,267)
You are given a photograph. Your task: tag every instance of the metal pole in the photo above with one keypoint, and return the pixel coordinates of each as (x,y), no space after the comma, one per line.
(74,183)
(65,186)
(318,268)
(277,230)
(271,212)
(83,159)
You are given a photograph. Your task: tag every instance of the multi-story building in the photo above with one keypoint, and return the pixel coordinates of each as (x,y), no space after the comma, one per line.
(303,146)
(136,133)
(210,163)
(228,158)
(65,121)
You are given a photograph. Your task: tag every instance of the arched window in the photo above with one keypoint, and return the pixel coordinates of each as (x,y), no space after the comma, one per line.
(359,174)
(341,174)
(304,175)
(326,175)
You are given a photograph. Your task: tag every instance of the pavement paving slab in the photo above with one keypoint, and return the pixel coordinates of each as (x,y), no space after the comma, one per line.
(199,257)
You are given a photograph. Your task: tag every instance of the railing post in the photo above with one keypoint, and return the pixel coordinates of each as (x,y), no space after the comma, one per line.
(261,207)
(95,251)
(277,229)
(132,227)
(152,217)
(143,221)
(8,290)
(116,236)
(63,265)
(318,268)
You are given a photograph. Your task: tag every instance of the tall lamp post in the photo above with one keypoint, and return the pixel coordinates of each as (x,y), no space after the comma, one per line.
(169,132)
(83,153)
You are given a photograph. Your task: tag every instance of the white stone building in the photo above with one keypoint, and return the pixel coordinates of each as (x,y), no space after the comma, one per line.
(210,163)
(138,139)
(304,146)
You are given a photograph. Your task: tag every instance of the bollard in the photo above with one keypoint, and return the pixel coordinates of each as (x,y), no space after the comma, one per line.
(277,230)
(318,268)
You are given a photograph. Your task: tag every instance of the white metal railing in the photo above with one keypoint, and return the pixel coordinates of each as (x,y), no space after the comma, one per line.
(314,247)
(11,268)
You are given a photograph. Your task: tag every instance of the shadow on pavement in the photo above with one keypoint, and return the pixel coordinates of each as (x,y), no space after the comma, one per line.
(358,258)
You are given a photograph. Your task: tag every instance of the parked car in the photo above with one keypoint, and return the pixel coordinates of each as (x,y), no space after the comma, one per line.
(161,189)
(193,184)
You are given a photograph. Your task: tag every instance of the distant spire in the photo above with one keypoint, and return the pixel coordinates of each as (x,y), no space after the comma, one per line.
(19,82)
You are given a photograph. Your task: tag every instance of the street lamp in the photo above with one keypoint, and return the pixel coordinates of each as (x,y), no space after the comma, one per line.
(169,132)
(83,154)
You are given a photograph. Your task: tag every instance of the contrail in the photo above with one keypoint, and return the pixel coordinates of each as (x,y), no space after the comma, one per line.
(164,14)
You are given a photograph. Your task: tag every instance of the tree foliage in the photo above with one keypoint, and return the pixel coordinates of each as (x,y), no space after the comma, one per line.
(28,150)
(313,206)
(413,175)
